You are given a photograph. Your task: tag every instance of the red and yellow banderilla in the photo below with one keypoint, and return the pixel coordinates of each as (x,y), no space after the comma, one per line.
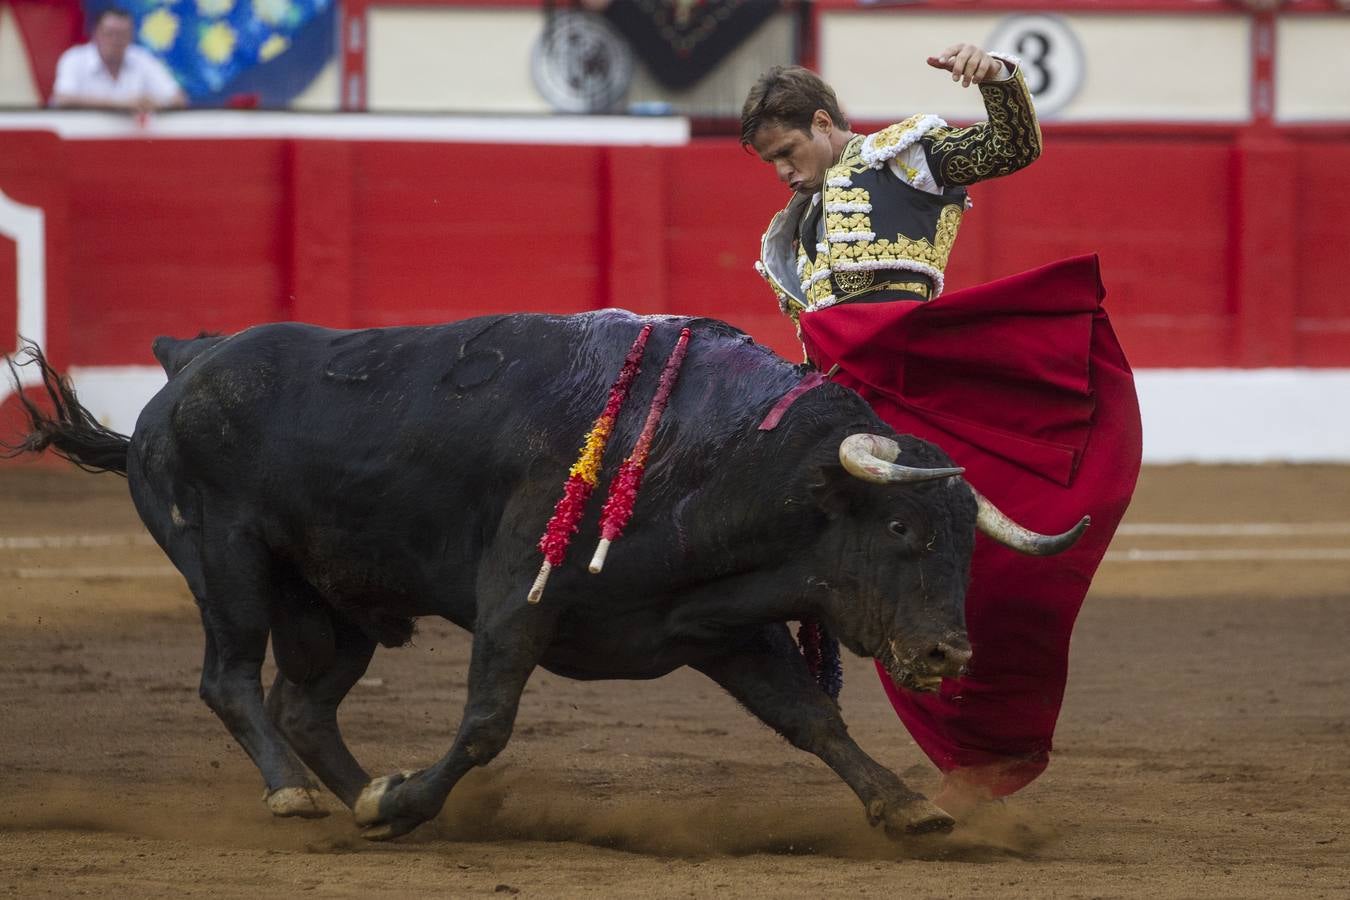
(624,488)
(585,472)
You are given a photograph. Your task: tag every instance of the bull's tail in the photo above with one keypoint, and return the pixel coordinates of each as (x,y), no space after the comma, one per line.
(70,430)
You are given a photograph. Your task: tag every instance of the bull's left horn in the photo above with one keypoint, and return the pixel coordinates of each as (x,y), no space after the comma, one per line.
(993,522)
(871,457)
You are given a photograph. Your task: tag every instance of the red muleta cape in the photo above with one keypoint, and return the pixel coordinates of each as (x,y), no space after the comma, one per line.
(1021,381)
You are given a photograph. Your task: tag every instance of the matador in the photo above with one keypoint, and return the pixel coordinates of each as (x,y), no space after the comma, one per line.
(1020,380)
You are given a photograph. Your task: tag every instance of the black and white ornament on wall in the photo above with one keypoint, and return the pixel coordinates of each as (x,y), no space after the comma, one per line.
(580,64)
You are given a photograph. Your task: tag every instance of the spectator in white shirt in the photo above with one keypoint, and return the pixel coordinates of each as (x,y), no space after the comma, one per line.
(110,72)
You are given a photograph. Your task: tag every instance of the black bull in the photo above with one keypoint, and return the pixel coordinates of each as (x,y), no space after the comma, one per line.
(325,488)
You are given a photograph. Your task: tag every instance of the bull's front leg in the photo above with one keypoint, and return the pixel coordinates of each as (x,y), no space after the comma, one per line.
(770,679)
(507,646)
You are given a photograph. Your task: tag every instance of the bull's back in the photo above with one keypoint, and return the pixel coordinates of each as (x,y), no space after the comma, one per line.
(429,438)
(485,394)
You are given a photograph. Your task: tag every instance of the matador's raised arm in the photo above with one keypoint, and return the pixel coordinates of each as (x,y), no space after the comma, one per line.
(1009,140)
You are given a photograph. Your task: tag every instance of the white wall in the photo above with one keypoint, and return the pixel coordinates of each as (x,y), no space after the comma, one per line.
(324,93)
(1312,81)
(1190,415)
(1138,67)
(477,60)
(77,125)
(1245,415)
(466,60)
(16,79)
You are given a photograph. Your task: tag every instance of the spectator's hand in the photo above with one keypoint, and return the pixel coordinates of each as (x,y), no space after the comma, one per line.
(967,63)
(144,104)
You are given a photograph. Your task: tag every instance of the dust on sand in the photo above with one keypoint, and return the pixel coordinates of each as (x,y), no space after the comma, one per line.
(1204,749)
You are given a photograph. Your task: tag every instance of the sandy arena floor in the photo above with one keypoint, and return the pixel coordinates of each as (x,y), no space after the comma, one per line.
(1204,750)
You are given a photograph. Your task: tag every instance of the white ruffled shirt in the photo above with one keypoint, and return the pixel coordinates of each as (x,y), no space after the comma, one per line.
(81,73)
(911,164)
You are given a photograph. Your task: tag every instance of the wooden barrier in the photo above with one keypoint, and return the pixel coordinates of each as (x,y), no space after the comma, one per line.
(1221,246)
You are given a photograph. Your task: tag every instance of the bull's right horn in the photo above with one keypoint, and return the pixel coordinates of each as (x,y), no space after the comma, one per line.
(871,457)
(994,523)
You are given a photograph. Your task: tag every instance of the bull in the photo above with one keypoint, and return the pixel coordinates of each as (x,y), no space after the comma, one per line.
(324,489)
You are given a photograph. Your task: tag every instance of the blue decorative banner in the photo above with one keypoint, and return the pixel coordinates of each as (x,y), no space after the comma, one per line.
(266,51)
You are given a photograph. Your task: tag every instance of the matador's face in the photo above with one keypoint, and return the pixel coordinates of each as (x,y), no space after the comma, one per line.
(800,158)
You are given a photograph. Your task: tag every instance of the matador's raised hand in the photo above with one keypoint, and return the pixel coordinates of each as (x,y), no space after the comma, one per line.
(967,63)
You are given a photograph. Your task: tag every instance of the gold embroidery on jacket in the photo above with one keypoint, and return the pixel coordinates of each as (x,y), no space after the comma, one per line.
(841,223)
(1008,141)
(850,283)
(894,134)
(919,250)
(920,288)
(846,195)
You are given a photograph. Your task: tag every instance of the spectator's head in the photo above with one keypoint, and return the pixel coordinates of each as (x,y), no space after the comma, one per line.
(112,34)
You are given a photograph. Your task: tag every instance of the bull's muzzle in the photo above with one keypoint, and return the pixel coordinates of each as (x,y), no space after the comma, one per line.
(871,457)
(948,658)
(922,667)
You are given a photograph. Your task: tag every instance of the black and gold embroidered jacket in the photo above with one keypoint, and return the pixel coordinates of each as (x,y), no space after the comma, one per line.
(883,225)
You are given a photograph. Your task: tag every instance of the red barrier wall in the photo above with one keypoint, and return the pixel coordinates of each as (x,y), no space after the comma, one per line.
(1220,246)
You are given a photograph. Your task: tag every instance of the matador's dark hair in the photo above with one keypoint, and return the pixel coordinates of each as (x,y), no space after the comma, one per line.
(788,96)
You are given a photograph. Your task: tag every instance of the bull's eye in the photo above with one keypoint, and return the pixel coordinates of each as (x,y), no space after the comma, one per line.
(899,529)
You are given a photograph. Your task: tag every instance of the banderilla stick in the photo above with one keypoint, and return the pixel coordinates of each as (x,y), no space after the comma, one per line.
(624,488)
(582,477)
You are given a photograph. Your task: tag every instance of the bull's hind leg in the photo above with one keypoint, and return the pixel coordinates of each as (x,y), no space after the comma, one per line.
(508,643)
(306,712)
(770,679)
(236,601)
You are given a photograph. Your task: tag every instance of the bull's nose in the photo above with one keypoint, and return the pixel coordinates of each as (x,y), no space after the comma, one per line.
(948,657)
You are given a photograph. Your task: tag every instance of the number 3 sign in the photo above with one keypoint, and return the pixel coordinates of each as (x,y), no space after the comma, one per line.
(1052,59)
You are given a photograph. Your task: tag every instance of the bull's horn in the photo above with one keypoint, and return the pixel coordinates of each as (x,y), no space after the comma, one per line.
(992,522)
(871,457)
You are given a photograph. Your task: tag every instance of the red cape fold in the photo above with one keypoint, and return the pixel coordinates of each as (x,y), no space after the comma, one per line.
(1021,381)
(1002,366)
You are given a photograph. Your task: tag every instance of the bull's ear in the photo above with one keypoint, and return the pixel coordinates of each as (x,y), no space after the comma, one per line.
(835,491)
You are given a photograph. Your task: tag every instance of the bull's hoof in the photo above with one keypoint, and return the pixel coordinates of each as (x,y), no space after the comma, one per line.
(917,816)
(301,802)
(375,809)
